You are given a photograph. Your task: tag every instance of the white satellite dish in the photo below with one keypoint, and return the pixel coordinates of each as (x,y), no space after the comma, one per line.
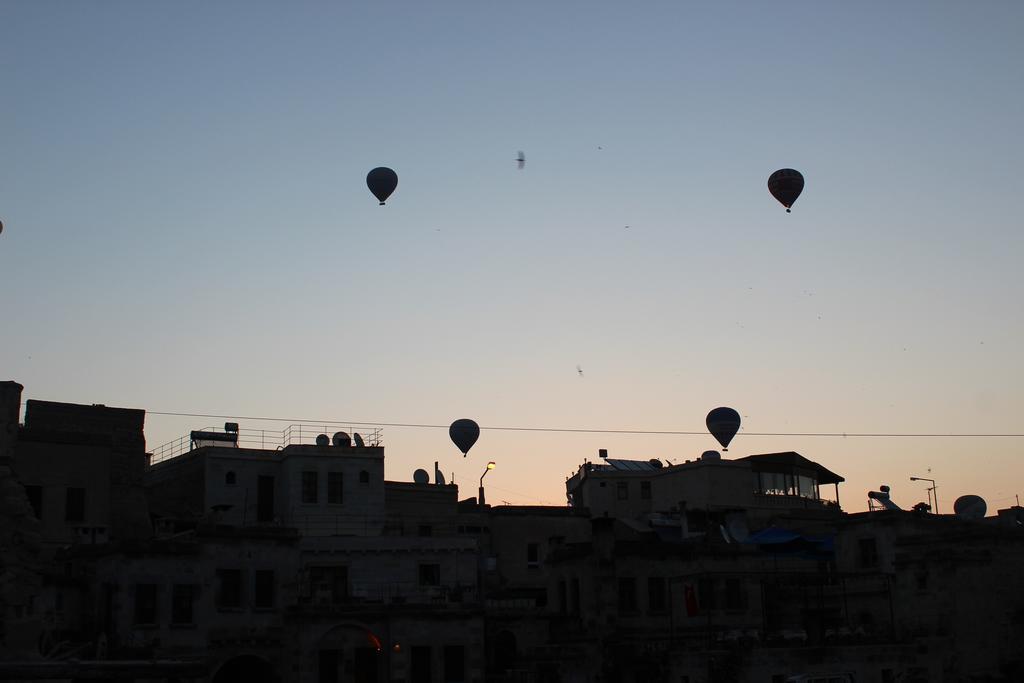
(736,525)
(970,507)
(421,477)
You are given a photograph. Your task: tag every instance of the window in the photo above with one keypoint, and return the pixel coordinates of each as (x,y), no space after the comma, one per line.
(334,488)
(264,498)
(868,553)
(230,479)
(454,664)
(532,555)
(706,593)
(735,594)
(807,487)
(145,603)
(229,588)
(623,490)
(430,575)
(627,594)
(74,505)
(425,530)
(329,585)
(35,499)
(364,477)
(263,589)
(656,594)
(645,490)
(309,487)
(182,596)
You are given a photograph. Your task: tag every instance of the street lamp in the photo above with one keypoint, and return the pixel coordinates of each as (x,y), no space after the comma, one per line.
(490,466)
(931,491)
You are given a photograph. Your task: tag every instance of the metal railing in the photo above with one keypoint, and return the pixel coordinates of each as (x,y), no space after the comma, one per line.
(268,439)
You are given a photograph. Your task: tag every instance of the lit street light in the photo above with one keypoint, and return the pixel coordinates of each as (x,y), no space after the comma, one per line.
(490,466)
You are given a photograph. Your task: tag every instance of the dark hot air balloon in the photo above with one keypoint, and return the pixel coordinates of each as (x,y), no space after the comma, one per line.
(382,181)
(464,434)
(723,423)
(786,185)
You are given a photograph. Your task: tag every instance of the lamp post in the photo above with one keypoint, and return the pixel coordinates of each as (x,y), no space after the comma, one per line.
(490,466)
(932,490)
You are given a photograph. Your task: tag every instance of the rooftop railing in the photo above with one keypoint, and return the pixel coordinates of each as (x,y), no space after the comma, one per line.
(265,439)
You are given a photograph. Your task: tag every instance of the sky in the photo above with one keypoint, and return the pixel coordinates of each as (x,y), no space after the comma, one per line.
(187,227)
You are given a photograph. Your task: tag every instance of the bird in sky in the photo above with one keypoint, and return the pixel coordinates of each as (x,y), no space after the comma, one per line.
(521,160)
(579,370)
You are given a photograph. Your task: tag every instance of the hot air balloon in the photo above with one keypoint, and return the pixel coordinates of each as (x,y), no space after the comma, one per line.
(786,185)
(382,181)
(464,434)
(723,423)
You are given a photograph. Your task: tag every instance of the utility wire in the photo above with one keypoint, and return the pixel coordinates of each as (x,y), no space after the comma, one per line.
(573,430)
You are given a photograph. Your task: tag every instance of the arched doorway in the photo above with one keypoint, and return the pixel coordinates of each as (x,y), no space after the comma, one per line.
(248,668)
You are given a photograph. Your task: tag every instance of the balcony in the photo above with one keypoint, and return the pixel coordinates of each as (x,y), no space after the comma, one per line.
(261,439)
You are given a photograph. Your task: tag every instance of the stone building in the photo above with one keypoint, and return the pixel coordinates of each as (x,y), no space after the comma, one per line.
(224,557)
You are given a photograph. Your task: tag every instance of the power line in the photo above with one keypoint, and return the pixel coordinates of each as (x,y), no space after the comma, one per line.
(575,430)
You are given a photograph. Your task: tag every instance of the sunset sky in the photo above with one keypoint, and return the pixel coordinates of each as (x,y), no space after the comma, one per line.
(187,227)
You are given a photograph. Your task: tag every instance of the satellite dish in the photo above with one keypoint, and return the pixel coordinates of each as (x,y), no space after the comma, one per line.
(341,439)
(723,423)
(421,477)
(970,507)
(358,439)
(322,440)
(439,477)
(736,525)
(655,463)
(464,434)
(710,455)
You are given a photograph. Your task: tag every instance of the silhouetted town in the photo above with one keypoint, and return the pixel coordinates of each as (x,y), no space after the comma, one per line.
(233,556)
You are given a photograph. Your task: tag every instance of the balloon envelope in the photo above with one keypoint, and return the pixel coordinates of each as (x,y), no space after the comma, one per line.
(786,184)
(382,181)
(464,434)
(723,423)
